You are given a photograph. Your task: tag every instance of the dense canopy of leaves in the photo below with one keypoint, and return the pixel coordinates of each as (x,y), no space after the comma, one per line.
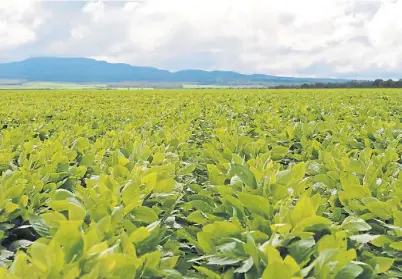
(201,184)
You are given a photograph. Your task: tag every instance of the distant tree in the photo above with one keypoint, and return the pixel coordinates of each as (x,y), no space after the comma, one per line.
(389,83)
(378,83)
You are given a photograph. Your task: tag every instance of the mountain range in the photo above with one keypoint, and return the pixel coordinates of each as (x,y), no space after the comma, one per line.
(84,70)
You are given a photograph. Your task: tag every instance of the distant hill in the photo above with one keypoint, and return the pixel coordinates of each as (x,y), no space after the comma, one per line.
(84,70)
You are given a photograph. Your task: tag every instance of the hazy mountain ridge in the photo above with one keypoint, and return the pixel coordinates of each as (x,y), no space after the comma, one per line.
(84,70)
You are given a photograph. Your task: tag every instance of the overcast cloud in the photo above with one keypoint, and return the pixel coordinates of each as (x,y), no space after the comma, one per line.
(322,38)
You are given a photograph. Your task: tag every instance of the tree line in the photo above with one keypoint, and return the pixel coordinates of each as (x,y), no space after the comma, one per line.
(378,83)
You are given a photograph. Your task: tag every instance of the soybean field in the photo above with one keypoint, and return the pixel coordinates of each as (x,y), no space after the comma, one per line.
(195,183)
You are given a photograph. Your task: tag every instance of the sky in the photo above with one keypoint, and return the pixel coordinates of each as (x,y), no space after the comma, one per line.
(315,38)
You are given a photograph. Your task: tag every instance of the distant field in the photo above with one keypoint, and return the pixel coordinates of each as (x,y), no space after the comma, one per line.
(211,86)
(224,184)
(20,85)
(47,85)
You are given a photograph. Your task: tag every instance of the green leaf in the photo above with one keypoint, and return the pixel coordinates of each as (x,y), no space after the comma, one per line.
(246,266)
(139,235)
(381,241)
(256,204)
(39,225)
(215,175)
(82,144)
(62,194)
(314,220)
(297,172)
(364,238)
(38,251)
(149,181)
(158,158)
(214,232)
(70,239)
(302,249)
(349,271)
(245,175)
(279,151)
(75,210)
(396,245)
(165,186)
(169,262)
(304,209)
(144,214)
(221,229)
(205,242)
(187,169)
(336,241)
(10,207)
(380,209)
(354,224)
(277,270)
(18,244)
(131,196)
(152,259)
(382,264)
(223,261)
(314,168)
(207,272)
(198,218)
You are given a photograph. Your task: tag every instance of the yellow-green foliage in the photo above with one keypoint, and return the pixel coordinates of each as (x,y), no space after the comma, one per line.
(201,184)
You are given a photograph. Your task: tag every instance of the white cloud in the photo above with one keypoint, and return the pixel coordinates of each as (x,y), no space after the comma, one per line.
(14,34)
(385,29)
(287,37)
(95,9)
(18,23)
(79,32)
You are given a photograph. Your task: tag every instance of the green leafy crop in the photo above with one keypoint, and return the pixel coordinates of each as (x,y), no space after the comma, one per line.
(218,184)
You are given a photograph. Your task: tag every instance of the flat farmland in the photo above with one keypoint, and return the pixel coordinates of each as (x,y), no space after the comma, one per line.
(221,183)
